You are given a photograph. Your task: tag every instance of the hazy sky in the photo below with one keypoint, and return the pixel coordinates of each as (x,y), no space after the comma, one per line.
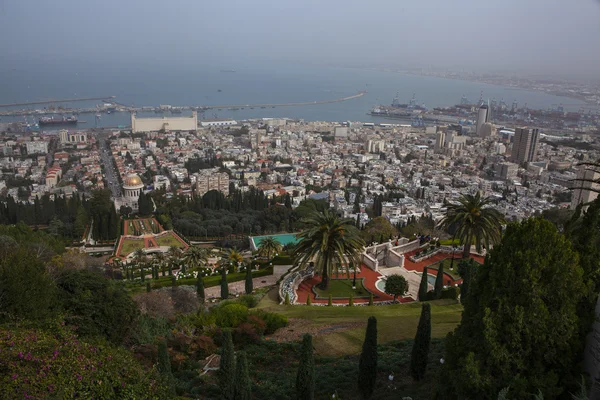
(555,36)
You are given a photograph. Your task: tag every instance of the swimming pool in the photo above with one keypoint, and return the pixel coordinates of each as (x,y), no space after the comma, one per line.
(284,238)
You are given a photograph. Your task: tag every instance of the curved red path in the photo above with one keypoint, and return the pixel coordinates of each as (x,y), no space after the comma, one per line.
(371,277)
(420,266)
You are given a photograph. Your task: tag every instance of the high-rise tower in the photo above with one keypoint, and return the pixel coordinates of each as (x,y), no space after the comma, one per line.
(525,145)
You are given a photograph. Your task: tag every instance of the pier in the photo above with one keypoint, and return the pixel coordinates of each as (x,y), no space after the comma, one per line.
(30,103)
(304,103)
(124,108)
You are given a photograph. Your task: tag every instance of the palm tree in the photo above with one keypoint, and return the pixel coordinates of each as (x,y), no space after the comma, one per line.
(329,242)
(474,220)
(195,256)
(233,257)
(174,251)
(268,246)
(174,254)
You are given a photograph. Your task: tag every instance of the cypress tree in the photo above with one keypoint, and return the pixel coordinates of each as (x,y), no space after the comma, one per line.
(420,350)
(148,287)
(227,367)
(243,386)
(370,299)
(351,301)
(287,299)
(308,300)
(423,286)
(164,366)
(439,281)
(164,363)
(248,284)
(142,273)
(330,302)
(367,365)
(224,286)
(466,271)
(305,378)
(200,288)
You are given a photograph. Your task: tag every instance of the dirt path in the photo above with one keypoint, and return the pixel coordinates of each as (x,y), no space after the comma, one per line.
(297,327)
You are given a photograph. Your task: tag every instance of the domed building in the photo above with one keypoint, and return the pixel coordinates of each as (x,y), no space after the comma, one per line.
(132,186)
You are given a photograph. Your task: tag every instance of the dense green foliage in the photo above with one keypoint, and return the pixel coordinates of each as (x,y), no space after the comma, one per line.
(200,288)
(423,286)
(55,364)
(214,215)
(473,220)
(26,290)
(378,227)
(248,285)
(96,306)
(224,284)
(467,269)
(420,350)
(328,241)
(243,386)
(367,365)
(584,231)
(164,366)
(268,247)
(439,281)
(520,324)
(396,285)
(305,379)
(227,367)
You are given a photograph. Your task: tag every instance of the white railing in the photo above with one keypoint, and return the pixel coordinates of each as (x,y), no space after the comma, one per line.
(290,284)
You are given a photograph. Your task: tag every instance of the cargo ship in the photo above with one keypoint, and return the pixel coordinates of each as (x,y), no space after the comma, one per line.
(57,121)
(398,110)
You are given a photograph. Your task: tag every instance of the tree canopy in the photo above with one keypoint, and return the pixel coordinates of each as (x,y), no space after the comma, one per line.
(473,220)
(378,227)
(520,325)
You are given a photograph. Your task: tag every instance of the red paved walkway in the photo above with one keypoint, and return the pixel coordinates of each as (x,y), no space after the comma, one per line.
(420,266)
(370,278)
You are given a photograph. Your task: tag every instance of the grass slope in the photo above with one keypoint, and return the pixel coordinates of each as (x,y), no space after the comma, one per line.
(394,322)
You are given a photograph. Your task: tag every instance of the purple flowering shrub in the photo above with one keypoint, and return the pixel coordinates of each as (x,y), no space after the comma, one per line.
(57,364)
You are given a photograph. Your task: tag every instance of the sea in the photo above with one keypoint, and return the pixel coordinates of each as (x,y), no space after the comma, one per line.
(180,84)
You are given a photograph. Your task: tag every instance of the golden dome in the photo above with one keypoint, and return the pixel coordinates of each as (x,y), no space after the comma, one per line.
(132,180)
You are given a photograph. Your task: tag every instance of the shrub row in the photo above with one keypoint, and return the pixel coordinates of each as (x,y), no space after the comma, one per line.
(210,281)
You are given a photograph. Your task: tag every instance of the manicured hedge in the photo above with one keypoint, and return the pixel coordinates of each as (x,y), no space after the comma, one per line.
(213,280)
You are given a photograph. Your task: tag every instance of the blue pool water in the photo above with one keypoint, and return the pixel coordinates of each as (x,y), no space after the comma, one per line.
(284,239)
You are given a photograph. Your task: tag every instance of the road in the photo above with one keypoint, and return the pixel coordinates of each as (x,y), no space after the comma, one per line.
(106,158)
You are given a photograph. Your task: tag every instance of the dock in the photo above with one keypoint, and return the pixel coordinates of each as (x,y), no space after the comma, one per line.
(304,103)
(30,103)
(124,108)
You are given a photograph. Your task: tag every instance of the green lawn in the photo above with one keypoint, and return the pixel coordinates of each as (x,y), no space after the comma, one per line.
(131,245)
(342,289)
(449,242)
(394,322)
(447,262)
(168,240)
(454,274)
